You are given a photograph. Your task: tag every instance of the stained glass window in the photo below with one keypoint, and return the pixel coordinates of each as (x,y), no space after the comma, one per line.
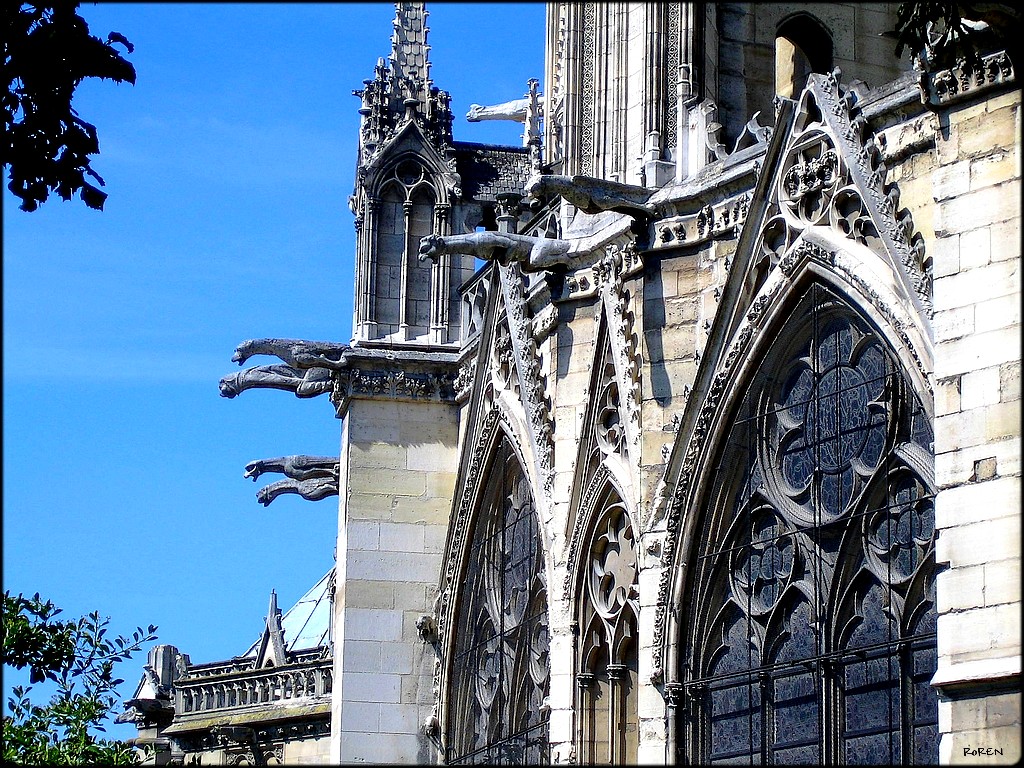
(496,711)
(608,726)
(810,610)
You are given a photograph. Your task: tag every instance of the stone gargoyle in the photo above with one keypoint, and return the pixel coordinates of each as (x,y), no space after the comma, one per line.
(534,253)
(593,195)
(311,477)
(308,382)
(295,352)
(507,110)
(296,467)
(306,370)
(314,489)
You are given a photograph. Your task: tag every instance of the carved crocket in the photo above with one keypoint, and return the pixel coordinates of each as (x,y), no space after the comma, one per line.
(308,382)
(593,195)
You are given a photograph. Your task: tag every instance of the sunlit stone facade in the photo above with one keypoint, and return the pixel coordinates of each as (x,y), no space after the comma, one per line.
(715,458)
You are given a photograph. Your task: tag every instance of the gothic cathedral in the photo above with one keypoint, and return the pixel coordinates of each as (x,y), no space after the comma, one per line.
(687,431)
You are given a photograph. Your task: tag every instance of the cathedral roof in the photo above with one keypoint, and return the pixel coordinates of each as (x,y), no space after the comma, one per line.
(306,625)
(488,170)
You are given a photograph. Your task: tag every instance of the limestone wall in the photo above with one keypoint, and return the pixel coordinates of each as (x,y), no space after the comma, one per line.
(397,478)
(976,251)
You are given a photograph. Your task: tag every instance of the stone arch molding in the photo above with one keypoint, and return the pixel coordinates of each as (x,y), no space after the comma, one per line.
(868,285)
(410,145)
(821,211)
(495,426)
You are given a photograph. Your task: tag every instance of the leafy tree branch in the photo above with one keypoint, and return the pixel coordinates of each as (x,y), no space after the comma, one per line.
(79,658)
(48,52)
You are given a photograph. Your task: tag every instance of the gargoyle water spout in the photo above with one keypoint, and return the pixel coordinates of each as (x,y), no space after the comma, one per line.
(308,382)
(593,195)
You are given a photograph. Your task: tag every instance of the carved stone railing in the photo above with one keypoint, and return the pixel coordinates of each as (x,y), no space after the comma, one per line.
(225,688)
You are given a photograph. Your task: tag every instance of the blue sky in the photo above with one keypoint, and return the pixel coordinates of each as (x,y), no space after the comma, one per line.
(228,168)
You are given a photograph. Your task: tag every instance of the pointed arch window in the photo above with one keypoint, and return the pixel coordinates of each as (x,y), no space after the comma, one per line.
(607,684)
(810,613)
(405,211)
(802,46)
(497,713)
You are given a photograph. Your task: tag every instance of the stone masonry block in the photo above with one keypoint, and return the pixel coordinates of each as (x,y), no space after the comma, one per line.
(363,534)
(953,324)
(979,633)
(945,253)
(951,181)
(401,537)
(980,542)
(978,351)
(361,656)
(372,686)
(976,505)
(974,286)
(1002,582)
(377,455)
(369,506)
(439,485)
(432,457)
(398,718)
(994,130)
(433,511)
(386,481)
(412,596)
(956,588)
(360,716)
(975,248)
(996,168)
(1003,312)
(434,538)
(995,746)
(976,209)
(1006,240)
(957,467)
(947,396)
(978,388)
(369,594)
(393,566)
(372,624)
(1009,380)
(396,658)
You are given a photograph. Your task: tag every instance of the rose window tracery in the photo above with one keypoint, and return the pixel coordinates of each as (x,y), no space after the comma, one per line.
(832,418)
(763,561)
(813,584)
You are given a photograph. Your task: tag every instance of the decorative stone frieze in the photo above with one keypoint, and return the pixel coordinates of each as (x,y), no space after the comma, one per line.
(948,86)
(718,220)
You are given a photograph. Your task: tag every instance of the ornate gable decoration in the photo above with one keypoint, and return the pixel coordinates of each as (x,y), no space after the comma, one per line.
(827,176)
(832,175)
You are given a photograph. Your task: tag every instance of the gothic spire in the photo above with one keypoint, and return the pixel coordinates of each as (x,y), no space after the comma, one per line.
(401,89)
(410,65)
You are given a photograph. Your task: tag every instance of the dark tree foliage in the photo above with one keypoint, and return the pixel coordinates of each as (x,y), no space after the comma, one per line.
(946,32)
(48,51)
(79,658)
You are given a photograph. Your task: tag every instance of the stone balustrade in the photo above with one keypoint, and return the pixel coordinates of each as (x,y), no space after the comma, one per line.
(227,687)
